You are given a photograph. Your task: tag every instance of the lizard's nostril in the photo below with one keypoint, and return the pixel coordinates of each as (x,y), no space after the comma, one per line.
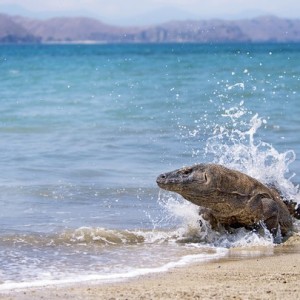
(161,178)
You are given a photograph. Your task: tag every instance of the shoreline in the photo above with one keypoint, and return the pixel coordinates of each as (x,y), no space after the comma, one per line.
(262,276)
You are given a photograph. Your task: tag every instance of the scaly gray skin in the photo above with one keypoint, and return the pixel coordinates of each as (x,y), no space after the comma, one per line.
(229,197)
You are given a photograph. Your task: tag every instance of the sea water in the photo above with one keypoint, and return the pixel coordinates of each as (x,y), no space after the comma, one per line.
(86,129)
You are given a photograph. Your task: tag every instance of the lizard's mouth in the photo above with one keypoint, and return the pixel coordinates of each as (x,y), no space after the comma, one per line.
(163,180)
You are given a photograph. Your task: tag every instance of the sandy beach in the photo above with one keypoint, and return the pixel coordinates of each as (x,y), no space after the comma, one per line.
(261,277)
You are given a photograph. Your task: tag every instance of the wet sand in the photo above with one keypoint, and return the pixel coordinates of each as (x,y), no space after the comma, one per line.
(234,277)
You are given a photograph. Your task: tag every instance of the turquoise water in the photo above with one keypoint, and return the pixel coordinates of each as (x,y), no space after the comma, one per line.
(85,130)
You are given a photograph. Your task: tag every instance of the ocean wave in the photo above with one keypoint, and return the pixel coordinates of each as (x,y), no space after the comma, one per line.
(103,237)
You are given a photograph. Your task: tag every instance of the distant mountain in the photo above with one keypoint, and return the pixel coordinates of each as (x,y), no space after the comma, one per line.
(261,29)
(72,29)
(16,29)
(12,32)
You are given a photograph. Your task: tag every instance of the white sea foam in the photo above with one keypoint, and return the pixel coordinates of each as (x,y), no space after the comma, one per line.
(130,273)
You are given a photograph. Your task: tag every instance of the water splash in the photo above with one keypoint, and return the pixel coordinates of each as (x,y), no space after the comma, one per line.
(236,146)
(178,211)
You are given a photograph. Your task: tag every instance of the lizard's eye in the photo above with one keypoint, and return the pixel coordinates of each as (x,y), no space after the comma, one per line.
(186,172)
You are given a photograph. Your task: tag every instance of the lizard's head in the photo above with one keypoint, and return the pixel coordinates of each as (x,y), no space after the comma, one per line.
(196,179)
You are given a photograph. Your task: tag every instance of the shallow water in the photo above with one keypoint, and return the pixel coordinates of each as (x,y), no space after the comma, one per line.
(85,130)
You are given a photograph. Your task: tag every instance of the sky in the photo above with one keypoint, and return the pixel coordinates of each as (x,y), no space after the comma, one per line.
(147,12)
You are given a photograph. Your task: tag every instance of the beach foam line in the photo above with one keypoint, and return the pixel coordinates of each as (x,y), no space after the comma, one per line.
(98,278)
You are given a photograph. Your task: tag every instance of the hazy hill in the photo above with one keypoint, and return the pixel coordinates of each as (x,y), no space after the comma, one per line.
(15,29)
(12,32)
(270,28)
(262,29)
(72,29)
